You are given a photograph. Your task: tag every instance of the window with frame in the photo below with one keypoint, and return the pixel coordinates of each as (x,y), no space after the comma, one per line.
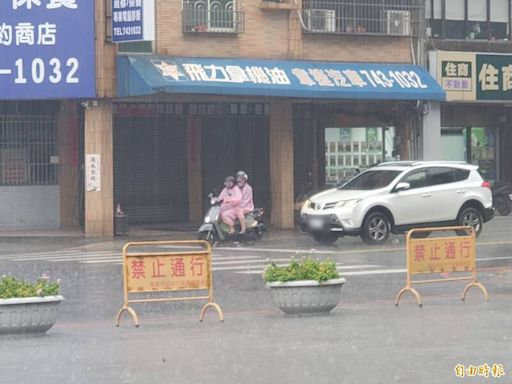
(218,16)
(28,150)
(416,179)
(440,175)
(377,17)
(469,19)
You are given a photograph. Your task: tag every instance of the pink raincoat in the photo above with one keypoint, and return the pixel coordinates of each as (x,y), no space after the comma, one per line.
(230,204)
(247,204)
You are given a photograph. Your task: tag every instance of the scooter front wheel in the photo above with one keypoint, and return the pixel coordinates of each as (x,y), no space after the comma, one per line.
(208,236)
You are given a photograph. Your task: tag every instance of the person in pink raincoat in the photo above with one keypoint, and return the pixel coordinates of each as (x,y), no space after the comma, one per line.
(231,196)
(247,204)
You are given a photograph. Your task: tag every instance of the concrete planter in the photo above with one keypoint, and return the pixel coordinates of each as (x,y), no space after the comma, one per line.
(306,297)
(29,314)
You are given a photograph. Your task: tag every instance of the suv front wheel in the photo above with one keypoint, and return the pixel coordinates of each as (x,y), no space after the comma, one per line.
(376,228)
(470,217)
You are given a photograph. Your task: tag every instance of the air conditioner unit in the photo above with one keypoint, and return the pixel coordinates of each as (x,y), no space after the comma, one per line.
(320,20)
(398,22)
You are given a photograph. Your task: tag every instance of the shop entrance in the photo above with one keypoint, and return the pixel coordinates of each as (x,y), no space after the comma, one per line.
(230,144)
(349,151)
(475,145)
(150,168)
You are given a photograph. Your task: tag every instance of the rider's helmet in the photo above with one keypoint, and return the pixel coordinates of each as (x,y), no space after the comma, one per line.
(242,175)
(229,182)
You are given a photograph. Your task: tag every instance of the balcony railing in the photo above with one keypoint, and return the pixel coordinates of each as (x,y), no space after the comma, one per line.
(210,20)
(370,17)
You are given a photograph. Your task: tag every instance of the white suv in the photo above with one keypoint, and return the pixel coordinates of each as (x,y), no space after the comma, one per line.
(398,196)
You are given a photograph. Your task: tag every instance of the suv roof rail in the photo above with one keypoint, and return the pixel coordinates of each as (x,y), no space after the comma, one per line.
(403,163)
(412,163)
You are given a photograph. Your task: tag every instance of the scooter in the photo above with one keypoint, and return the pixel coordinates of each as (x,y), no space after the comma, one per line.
(502,198)
(214,230)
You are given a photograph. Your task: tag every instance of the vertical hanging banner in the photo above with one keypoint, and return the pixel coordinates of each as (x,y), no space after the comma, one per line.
(93,173)
(133,20)
(47,49)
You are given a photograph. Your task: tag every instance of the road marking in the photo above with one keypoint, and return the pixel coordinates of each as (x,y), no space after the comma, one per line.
(260,270)
(350,273)
(37,254)
(215,257)
(81,256)
(296,252)
(93,261)
(215,260)
(495,258)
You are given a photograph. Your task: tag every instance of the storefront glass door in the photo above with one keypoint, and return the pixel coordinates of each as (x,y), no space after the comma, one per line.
(349,151)
(475,145)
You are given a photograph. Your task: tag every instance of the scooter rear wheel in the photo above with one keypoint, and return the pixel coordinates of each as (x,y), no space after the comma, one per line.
(502,206)
(208,236)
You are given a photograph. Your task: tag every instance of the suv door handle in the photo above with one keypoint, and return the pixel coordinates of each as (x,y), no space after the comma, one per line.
(426,195)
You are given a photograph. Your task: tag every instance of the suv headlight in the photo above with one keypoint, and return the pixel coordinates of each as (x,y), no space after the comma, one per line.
(306,204)
(347,203)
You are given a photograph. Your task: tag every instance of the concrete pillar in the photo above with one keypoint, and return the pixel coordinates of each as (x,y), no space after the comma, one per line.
(99,205)
(281,163)
(195,172)
(67,127)
(295,33)
(431,133)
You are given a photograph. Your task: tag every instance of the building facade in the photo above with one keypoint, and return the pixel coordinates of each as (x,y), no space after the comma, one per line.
(296,93)
(471,57)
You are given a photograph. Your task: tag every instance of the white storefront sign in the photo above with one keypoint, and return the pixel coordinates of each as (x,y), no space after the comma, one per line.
(93,172)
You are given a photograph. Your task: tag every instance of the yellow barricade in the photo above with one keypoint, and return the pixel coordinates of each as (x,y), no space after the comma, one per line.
(430,255)
(163,271)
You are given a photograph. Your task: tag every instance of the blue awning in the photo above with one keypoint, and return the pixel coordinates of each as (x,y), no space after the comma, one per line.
(144,75)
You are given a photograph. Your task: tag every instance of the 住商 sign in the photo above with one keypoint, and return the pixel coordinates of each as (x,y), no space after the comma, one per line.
(470,76)
(47,49)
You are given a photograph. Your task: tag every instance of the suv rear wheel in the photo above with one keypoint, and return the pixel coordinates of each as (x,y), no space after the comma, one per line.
(470,217)
(376,228)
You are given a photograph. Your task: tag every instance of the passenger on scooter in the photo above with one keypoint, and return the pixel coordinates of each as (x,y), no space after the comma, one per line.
(231,196)
(247,204)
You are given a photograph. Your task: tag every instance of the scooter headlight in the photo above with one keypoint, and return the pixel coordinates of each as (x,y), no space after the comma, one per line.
(207,219)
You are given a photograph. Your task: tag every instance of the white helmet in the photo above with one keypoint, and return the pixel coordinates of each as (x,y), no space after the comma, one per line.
(243,175)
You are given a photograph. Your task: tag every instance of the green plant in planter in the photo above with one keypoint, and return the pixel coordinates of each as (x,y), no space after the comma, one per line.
(306,269)
(10,287)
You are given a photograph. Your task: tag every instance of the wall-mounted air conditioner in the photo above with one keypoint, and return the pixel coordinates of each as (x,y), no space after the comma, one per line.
(398,22)
(320,20)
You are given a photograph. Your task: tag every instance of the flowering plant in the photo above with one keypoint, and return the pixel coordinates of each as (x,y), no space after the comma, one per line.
(10,287)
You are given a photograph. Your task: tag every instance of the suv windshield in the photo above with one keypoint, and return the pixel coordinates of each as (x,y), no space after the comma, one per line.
(372,179)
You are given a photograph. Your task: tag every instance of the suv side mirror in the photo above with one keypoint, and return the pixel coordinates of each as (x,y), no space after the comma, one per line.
(402,186)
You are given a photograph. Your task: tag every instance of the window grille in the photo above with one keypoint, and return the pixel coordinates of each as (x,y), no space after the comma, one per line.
(213,16)
(28,150)
(370,17)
